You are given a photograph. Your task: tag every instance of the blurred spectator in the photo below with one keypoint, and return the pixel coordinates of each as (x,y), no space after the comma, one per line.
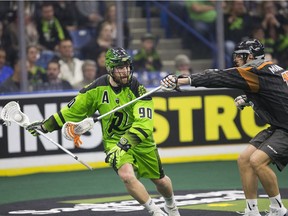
(202,14)
(70,67)
(270,19)
(5,43)
(5,71)
(271,23)
(100,62)
(103,40)
(237,25)
(258,33)
(182,65)
(13,34)
(202,17)
(91,11)
(36,74)
(110,17)
(31,34)
(178,8)
(12,84)
(54,83)
(50,29)
(147,57)
(89,70)
(281,45)
(67,13)
(5,7)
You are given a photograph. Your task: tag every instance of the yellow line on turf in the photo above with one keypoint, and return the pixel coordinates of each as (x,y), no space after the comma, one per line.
(202,158)
(95,165)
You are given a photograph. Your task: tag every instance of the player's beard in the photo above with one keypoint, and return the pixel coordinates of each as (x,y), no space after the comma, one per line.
(123,80)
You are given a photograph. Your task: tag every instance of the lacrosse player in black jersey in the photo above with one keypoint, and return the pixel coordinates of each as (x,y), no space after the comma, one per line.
(266,90)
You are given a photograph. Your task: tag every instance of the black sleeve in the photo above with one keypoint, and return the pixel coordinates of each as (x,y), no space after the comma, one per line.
(229,78)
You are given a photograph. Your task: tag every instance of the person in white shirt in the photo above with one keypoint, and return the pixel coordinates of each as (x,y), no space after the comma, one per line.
(70,67)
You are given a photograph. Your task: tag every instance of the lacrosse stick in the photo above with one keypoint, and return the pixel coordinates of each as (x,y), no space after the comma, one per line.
(11,113)
(72,130)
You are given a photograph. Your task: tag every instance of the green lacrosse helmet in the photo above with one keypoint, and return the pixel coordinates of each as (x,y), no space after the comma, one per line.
(117,57)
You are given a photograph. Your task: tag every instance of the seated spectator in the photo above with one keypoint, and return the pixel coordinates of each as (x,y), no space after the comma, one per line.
(67,13)
(31,34)
(237,25)
(36,74)
(100,62)
(110,17)
(12,84)
(202,16)
(89,70)
(178,8)
(182,65)
(50,29)
(270,21)
(5,71)
(70,67)
(54,82)
(90,10)
(259,34)
(281,45)
(103,40)
(5,43)
(147,57)
(5,7)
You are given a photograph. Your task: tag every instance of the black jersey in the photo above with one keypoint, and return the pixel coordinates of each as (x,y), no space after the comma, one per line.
(264,83)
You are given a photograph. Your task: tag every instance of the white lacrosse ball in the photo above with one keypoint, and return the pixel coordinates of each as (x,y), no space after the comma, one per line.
(17,117)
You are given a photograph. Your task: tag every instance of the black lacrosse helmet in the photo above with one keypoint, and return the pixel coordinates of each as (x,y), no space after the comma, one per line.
(250,46)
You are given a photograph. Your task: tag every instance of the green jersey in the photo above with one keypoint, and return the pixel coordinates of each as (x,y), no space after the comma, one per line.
(134,122)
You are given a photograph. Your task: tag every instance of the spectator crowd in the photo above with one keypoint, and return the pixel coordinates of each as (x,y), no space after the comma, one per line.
(67,41)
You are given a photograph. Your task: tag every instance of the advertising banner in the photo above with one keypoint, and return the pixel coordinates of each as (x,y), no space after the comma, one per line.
(196,118)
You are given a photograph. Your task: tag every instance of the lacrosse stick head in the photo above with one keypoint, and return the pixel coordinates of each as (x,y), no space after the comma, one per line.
(11,112)
(73,130)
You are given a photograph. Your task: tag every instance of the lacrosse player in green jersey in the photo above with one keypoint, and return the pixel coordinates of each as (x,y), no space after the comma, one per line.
(127,134)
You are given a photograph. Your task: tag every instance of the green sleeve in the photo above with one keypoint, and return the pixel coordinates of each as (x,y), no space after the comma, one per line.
(82,106)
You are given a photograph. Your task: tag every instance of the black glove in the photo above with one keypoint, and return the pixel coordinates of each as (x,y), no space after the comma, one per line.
(117,151)
(36,126)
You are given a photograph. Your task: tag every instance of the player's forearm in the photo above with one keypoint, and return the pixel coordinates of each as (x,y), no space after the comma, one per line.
(51,124)
(183,81)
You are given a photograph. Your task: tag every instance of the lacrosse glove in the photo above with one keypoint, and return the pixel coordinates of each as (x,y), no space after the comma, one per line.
(36,126)
(114,155)
(169,83)
(242,101)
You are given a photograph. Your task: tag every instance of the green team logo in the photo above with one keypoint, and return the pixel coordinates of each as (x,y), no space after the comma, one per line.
(119,123)
(141,90)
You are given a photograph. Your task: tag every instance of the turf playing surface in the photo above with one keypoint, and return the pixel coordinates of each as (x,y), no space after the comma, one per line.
(201,188)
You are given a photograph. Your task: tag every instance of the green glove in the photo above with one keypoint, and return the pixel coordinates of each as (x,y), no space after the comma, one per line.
(114,155)
(36,126)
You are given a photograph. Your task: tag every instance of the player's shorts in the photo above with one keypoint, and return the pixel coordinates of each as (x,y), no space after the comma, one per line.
(274,142)
(146,165)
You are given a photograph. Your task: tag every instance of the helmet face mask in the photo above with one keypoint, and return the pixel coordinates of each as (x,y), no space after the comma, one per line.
(119,66)
(247,47)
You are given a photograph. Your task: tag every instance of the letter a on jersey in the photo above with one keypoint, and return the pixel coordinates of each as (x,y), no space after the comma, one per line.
(105,98)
